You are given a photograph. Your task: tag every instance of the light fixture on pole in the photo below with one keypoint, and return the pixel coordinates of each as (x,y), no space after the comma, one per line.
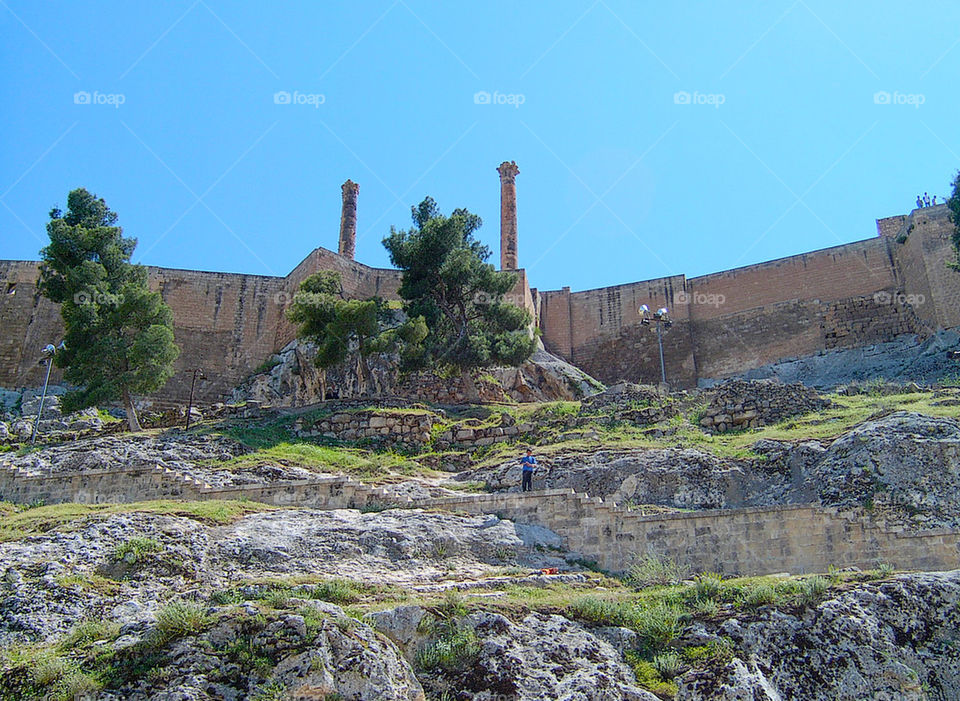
(193,383)
(663,321)
(48,352)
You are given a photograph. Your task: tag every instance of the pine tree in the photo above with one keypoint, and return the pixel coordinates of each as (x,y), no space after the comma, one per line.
(119,334)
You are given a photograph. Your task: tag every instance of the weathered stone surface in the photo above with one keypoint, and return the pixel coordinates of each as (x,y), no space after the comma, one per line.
(890,640)
(540,657)
(295,381)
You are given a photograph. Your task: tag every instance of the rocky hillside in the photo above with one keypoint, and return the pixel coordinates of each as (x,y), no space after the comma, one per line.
(292,379)
(234,601)
(239,600)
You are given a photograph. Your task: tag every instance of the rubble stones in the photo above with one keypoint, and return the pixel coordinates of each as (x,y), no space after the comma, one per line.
(739,404)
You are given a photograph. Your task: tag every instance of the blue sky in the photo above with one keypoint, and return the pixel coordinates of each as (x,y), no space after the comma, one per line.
(652,138)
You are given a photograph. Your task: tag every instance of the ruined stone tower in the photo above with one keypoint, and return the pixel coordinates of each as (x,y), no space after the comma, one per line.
(508,215)
(348,220)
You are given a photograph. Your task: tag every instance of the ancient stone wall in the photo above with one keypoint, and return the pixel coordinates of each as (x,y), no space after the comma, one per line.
(225,323)
(797,539)
(841,297)
(725,323)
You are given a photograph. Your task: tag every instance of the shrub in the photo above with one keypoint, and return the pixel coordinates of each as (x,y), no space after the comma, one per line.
(813,589)
(669,664)
(648,677)
(337,591)
(132,550)
(708,586)
(456,648)
(657,625)
(652,570)
(454,604)
(601,611)
(757,595)
(179,618)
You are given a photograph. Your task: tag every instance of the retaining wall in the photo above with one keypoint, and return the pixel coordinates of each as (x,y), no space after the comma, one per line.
(795,539)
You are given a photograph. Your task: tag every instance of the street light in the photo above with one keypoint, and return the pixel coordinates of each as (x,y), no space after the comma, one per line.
(662,318)
(193,383)
(48,352)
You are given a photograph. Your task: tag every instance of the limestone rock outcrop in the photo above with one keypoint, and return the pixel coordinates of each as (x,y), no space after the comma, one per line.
(889,640)
(294,380)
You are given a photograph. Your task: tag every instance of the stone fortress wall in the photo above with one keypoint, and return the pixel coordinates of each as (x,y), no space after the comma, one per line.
(842,297)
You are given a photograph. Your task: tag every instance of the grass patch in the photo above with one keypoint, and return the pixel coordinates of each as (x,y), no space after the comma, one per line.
(133,550)
(368,466)
(34,521)
(89,581)
(178,619)
(455,649)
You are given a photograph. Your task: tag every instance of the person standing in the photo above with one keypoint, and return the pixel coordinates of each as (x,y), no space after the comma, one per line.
(527,463)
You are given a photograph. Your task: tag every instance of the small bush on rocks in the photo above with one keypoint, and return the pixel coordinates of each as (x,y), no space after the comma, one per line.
(651,571)
(135,548)
(708,586)
(178,619)
(669,664)
(456,648)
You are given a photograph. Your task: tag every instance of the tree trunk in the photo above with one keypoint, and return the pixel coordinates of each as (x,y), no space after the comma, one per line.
(323,384)
(132,420)
(361,384)
(469,387)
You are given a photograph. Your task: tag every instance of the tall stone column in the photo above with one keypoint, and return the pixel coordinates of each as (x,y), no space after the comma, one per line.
(508,215)
(348,220)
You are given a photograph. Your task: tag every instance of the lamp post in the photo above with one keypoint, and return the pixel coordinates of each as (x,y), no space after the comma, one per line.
(48,352)
(663,321)
(193,383)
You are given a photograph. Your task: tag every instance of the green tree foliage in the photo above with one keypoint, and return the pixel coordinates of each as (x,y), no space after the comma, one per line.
(341,326)
(119,334)
(953,204)
(447,282)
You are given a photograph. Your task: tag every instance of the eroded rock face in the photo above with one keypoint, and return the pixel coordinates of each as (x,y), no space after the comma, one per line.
(50,582)
(335,655)
(539,657)
(296,381)
(891,640)
(905,466)
(682,478)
